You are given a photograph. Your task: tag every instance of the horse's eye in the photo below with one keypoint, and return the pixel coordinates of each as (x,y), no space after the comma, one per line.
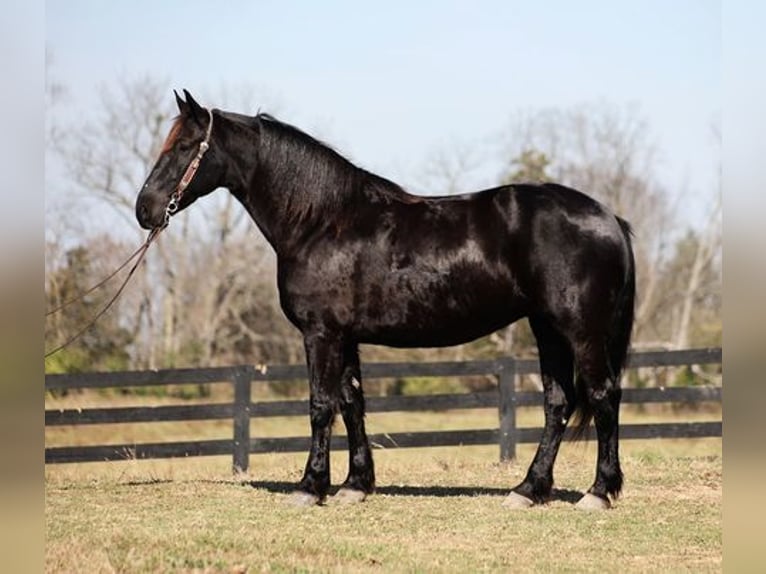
(184,146)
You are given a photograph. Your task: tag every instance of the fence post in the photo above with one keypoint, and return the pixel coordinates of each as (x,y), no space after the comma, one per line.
(507,408)
(241,447)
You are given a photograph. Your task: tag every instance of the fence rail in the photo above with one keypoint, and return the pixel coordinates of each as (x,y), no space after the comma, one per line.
(505,398)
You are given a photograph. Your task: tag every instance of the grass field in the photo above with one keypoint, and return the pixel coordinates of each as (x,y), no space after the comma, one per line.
(436,510)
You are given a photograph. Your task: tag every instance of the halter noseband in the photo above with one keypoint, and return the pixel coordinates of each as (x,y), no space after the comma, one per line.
(188,175)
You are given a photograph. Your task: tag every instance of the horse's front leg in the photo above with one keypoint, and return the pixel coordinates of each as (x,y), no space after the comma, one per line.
(361,473)
(324,354)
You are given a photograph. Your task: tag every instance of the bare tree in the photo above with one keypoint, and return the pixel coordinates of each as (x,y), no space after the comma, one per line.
(694,277)
(450,169)
(704,276)
(185,289)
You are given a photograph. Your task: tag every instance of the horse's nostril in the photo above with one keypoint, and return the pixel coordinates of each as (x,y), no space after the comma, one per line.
(142,213)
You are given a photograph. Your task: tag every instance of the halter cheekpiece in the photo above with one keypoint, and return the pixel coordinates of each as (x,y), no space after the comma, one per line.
(188,175)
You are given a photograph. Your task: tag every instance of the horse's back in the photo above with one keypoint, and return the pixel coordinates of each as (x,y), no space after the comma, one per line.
(562,253)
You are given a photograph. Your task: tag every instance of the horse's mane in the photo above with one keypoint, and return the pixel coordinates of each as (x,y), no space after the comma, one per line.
(316,178)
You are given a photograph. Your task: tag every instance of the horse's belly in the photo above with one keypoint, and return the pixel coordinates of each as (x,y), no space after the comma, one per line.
(438,334)
(436,313)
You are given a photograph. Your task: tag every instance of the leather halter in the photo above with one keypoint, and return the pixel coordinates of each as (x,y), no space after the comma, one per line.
(188,175)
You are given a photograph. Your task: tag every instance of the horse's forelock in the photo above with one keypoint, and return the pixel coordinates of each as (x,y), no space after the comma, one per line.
(175,131)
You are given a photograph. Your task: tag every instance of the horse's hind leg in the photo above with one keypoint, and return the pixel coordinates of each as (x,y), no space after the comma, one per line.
(557,369)
(361,474)
(603,394)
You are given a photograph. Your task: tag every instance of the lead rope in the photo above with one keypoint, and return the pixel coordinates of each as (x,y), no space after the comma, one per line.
(101,283)
(170,210)
(141,252)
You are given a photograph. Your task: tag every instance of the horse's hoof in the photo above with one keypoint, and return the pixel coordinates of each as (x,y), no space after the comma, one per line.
(300,498)
(516,500)
(593,502)
(349,496)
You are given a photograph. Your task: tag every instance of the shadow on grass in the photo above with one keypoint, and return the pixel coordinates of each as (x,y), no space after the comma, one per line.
(564,495)
(281,487)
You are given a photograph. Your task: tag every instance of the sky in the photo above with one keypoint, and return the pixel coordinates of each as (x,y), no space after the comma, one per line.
(389,84)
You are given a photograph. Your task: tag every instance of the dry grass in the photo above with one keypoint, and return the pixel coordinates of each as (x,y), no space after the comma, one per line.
(437,510)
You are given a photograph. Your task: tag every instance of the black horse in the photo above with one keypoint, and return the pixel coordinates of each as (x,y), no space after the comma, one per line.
(360,260)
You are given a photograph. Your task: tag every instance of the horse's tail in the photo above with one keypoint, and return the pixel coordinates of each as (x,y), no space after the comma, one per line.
(618,339)
(622,326)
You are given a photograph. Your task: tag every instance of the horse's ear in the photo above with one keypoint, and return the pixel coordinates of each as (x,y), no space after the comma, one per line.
(183,107)
(197,111)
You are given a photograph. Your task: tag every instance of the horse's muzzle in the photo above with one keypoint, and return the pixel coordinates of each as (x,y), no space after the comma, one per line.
(148,213)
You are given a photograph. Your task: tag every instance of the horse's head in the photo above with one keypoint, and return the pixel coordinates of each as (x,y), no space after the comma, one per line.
(187,168)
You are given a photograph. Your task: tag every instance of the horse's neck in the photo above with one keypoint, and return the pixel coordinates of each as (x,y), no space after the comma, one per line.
(287,193)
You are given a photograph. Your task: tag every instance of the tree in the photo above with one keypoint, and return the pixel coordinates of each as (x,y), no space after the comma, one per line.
(104,345)
(183,295)
(529,167)
(693,276)
(449,170)
(701,292)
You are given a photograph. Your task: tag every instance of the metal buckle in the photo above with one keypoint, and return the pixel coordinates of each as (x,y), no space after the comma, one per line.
(171,209)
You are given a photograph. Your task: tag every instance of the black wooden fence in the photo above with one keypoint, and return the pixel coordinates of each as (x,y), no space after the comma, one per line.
(506,398)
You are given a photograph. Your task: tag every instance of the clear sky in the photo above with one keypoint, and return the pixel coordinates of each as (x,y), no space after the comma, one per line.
(388,83)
